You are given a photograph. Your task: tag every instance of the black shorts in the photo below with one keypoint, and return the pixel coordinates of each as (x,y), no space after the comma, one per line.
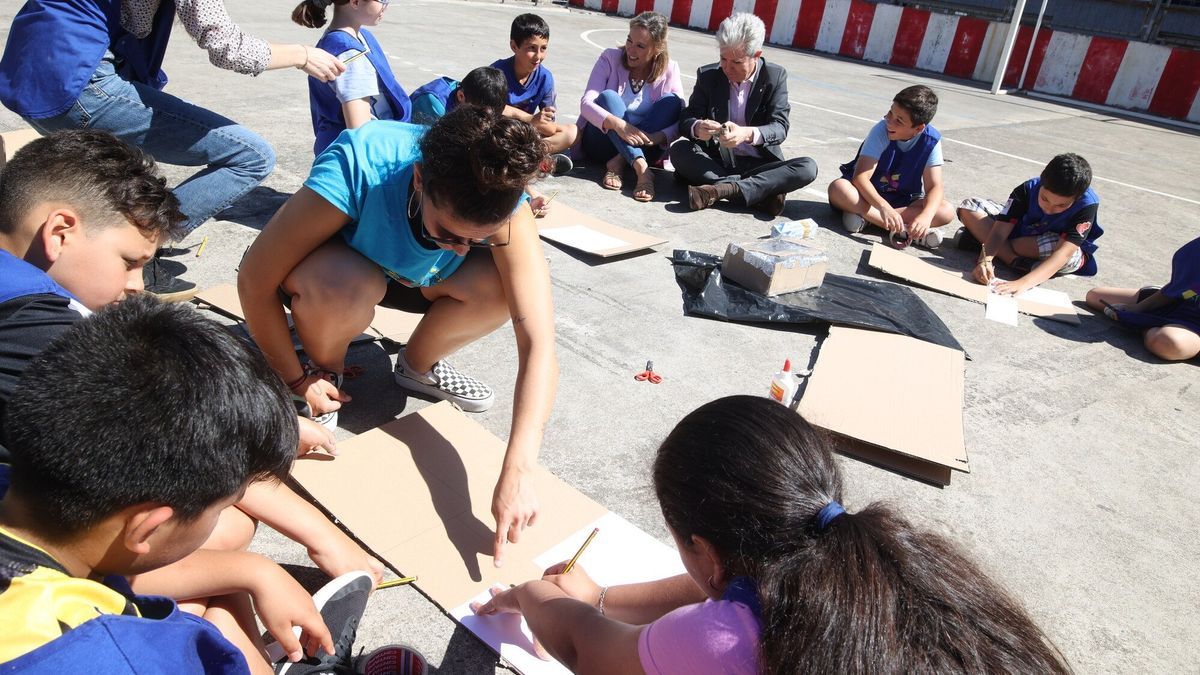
(397,296)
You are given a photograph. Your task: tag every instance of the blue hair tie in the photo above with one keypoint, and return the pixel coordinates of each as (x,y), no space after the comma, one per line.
(827,514)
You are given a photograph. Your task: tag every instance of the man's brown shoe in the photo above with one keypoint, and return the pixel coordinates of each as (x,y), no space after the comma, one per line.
(701,196)
(773,205)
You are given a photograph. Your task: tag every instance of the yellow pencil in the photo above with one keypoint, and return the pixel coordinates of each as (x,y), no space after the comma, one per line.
(202,245)
(578,553)
(352,58)
(395,582)
(547,202)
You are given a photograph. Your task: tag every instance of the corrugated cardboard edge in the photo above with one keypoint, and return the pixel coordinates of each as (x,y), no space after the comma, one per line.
(561,215)
(839,398)
(911,268)
(15,140)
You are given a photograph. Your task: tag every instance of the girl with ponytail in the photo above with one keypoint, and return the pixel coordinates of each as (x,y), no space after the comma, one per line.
(780,577)
(432,220)
(368,89)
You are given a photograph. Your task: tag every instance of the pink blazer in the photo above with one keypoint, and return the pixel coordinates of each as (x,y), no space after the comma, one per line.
(610,73)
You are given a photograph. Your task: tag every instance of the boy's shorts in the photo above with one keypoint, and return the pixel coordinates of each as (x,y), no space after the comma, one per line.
(1046,243)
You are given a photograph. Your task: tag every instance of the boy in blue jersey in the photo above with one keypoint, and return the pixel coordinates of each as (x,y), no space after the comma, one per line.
(484,86)
(1048,227)
(170,419)
(531,92)
(895,180)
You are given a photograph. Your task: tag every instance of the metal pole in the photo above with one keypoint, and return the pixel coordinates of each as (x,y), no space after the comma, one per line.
(1008,46)
(1037,26)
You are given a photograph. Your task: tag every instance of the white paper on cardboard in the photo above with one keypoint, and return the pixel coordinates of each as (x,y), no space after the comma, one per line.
(582,237)
(1001,308)
(1047,296)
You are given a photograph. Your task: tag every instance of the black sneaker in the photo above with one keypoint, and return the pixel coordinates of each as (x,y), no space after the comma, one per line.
(967,241)
(160,282)
(560,164)
(341,603)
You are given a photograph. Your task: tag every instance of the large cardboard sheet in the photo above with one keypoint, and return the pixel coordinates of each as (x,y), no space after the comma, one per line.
(391,324)
(1037,302)
(894,392)
(575,229)
(418,492)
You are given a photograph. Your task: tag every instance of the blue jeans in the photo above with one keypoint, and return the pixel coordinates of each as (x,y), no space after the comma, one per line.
(649,118)
(172,131)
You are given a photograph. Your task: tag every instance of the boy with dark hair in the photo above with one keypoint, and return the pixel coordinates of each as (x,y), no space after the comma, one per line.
(157,387)
(1048,227)
(484,86)
(531,92)
(80,213)
(895,179)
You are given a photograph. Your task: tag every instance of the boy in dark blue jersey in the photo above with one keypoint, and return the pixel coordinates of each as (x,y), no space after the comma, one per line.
(1048,227)
(1168,316)
(531,92)
(895,180)
(170,419)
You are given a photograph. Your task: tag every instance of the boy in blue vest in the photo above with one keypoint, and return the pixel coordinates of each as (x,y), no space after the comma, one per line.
(484,86)
(895,180)
(531,92)
(132,433)
(1048,227)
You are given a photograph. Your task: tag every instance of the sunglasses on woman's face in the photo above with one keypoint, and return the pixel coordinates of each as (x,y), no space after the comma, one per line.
(464,241)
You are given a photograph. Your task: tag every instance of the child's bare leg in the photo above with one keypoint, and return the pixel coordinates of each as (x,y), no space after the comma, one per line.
(1113,296)
(943,215)
(1173,343)
(233,615)
(843,195)
(979,224)
(233,532)
(562,138)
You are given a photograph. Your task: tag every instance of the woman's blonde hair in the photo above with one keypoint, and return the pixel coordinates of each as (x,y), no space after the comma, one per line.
(656,25)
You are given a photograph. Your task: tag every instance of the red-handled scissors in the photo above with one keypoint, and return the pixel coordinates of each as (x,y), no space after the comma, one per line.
(648,375)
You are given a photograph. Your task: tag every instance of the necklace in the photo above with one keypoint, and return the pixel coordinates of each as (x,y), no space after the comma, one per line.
(636,85)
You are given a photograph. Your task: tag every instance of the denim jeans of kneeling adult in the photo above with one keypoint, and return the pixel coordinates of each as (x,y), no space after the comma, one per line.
(649,117)
(172,131)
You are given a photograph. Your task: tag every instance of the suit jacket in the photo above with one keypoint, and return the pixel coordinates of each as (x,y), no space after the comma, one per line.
(767,107)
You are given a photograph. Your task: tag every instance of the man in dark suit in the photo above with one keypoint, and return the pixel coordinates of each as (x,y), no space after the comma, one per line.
(734,124)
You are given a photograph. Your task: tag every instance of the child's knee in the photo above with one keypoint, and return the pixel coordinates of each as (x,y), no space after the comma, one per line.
(234,531)
(1172,345)
(1093,299)
(944,215)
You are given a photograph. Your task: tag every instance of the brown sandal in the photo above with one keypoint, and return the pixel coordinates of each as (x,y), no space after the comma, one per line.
(612,181)
(644,190)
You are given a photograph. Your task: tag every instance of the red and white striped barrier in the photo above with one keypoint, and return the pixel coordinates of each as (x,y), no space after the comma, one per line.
(1160,80)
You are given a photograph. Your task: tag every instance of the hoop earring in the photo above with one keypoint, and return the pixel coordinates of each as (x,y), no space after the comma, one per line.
(711,584)
(412,212)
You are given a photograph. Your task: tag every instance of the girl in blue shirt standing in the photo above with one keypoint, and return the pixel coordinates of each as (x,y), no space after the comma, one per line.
(367,90)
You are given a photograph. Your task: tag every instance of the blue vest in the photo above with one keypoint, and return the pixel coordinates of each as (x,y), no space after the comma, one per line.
(1036,222)
(54,47)
(899,174)
(744,590)
(327,117)
(19,279)
(442,100)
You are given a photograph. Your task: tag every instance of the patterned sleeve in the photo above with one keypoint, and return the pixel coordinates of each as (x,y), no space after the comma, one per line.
(209,24)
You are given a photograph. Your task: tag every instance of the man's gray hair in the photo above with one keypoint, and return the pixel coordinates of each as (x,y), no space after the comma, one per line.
(743,30)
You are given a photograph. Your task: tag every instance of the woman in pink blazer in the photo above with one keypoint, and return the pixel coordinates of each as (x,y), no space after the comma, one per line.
(630,110)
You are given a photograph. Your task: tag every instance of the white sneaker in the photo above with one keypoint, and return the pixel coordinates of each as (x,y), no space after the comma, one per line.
(446,383)
(853,222)
(328,420)
(933,238)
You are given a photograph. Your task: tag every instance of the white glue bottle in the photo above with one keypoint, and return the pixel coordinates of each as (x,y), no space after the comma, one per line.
(783,385)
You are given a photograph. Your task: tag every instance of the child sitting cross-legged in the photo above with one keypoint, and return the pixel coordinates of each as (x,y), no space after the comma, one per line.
(131,434)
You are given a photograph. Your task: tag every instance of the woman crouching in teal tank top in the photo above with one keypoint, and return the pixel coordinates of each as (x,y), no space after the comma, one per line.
(430,220)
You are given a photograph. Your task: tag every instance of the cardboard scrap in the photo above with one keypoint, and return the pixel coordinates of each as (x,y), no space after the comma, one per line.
(575,229)
(418,493)
(1045,304)
(894,392)
(390,324)
(12,141)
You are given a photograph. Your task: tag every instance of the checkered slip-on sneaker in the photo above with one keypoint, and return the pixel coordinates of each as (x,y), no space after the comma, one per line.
(446,383)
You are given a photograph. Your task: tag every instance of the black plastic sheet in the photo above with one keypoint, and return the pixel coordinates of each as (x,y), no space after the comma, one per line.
(841,300)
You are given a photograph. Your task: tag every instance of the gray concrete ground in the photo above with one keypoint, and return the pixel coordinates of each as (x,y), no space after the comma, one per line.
(1081,498)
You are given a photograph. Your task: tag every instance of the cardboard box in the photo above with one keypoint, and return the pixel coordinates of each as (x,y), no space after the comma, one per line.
(776,265)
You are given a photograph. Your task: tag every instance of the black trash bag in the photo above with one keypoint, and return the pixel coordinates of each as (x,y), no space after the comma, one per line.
(842,300)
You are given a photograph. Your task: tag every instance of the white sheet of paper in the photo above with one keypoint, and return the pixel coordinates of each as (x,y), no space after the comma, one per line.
(1001,308)
(620,554)
(582,237)
(1046,296)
